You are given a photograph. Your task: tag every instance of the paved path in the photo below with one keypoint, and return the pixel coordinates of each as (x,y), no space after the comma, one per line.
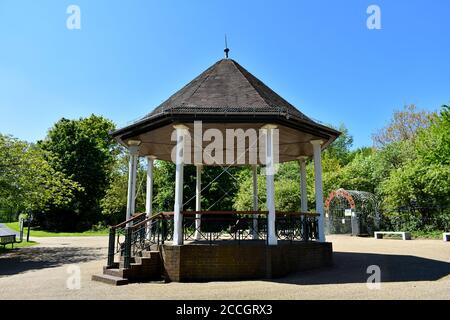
(417,269)
(5,231)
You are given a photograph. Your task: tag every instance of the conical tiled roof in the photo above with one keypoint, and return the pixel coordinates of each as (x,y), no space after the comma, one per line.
(226,87)
(226,94)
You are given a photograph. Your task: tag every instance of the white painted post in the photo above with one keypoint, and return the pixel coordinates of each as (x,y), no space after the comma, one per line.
(270,187)
(133,148)
(149,191)
(303,190)
(179,161)
(318,186)
(198,201)
(255,201)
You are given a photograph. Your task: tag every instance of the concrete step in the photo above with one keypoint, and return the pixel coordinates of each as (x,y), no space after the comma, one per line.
(133,265)
(114,266)
(146,266)
(109,279)
(132,259)
(151,254)
(117,272)
(143,260)
(146,261)
(136,273)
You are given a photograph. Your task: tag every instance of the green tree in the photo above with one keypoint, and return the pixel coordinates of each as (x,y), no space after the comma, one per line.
(340,148)
(287,178)
(403,126)
(287,189)
(433,144)
(423,178)
(219,186)
(84,151)
(28,182)
(114,203)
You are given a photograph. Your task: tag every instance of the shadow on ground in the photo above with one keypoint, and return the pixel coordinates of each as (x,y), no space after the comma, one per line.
(352,268)
(25,259)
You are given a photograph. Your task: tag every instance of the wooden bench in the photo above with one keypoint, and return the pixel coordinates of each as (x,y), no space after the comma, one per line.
(446,236)
(8,239)
(405,235)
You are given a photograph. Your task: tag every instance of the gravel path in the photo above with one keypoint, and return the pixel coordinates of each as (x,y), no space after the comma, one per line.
(4,230)
(417,269)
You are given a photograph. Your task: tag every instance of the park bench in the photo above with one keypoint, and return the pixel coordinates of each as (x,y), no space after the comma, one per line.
(8,239)
(405,235)
(446,236)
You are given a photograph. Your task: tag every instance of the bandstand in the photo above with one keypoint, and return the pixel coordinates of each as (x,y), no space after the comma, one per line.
(257,128)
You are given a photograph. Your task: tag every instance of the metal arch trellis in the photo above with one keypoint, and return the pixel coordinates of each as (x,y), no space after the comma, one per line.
(352,211)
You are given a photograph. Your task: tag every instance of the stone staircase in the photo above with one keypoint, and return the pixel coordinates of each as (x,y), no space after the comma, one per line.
(146,267)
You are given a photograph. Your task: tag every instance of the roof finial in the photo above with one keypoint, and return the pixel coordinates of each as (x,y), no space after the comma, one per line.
(226,50)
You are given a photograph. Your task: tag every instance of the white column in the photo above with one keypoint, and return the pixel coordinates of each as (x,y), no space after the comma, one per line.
(303,190)
(255,200)
(149,192)
(270,187)
(318,186)
(132,168)
(179,161)
(198,201)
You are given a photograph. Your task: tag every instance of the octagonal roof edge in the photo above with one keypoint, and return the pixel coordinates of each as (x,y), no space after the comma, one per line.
(226,88)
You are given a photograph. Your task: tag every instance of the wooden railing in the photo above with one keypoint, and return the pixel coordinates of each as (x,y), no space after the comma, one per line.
(133,218)
(278,213)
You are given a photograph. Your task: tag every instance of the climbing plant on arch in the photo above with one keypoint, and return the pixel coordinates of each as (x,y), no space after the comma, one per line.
(351,211)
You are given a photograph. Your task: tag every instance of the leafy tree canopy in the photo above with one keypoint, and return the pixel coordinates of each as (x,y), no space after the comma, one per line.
(84,151)
(27,180)
(403,126)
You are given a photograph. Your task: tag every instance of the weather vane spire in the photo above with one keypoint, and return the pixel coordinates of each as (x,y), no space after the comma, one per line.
(226,50)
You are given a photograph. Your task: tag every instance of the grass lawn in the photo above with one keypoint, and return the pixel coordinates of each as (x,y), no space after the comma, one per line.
(17,245)
(42,233)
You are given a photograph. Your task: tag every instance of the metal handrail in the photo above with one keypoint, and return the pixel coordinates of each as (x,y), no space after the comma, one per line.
(134,217)
(137,225)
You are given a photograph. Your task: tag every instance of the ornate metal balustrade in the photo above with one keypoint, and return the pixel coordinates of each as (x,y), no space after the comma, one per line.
(247,225)
(139,233)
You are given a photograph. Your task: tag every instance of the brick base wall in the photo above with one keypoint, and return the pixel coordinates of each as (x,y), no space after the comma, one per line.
(245,261)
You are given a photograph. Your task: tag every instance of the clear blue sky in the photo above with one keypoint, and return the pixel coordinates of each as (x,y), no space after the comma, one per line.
(129,56)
